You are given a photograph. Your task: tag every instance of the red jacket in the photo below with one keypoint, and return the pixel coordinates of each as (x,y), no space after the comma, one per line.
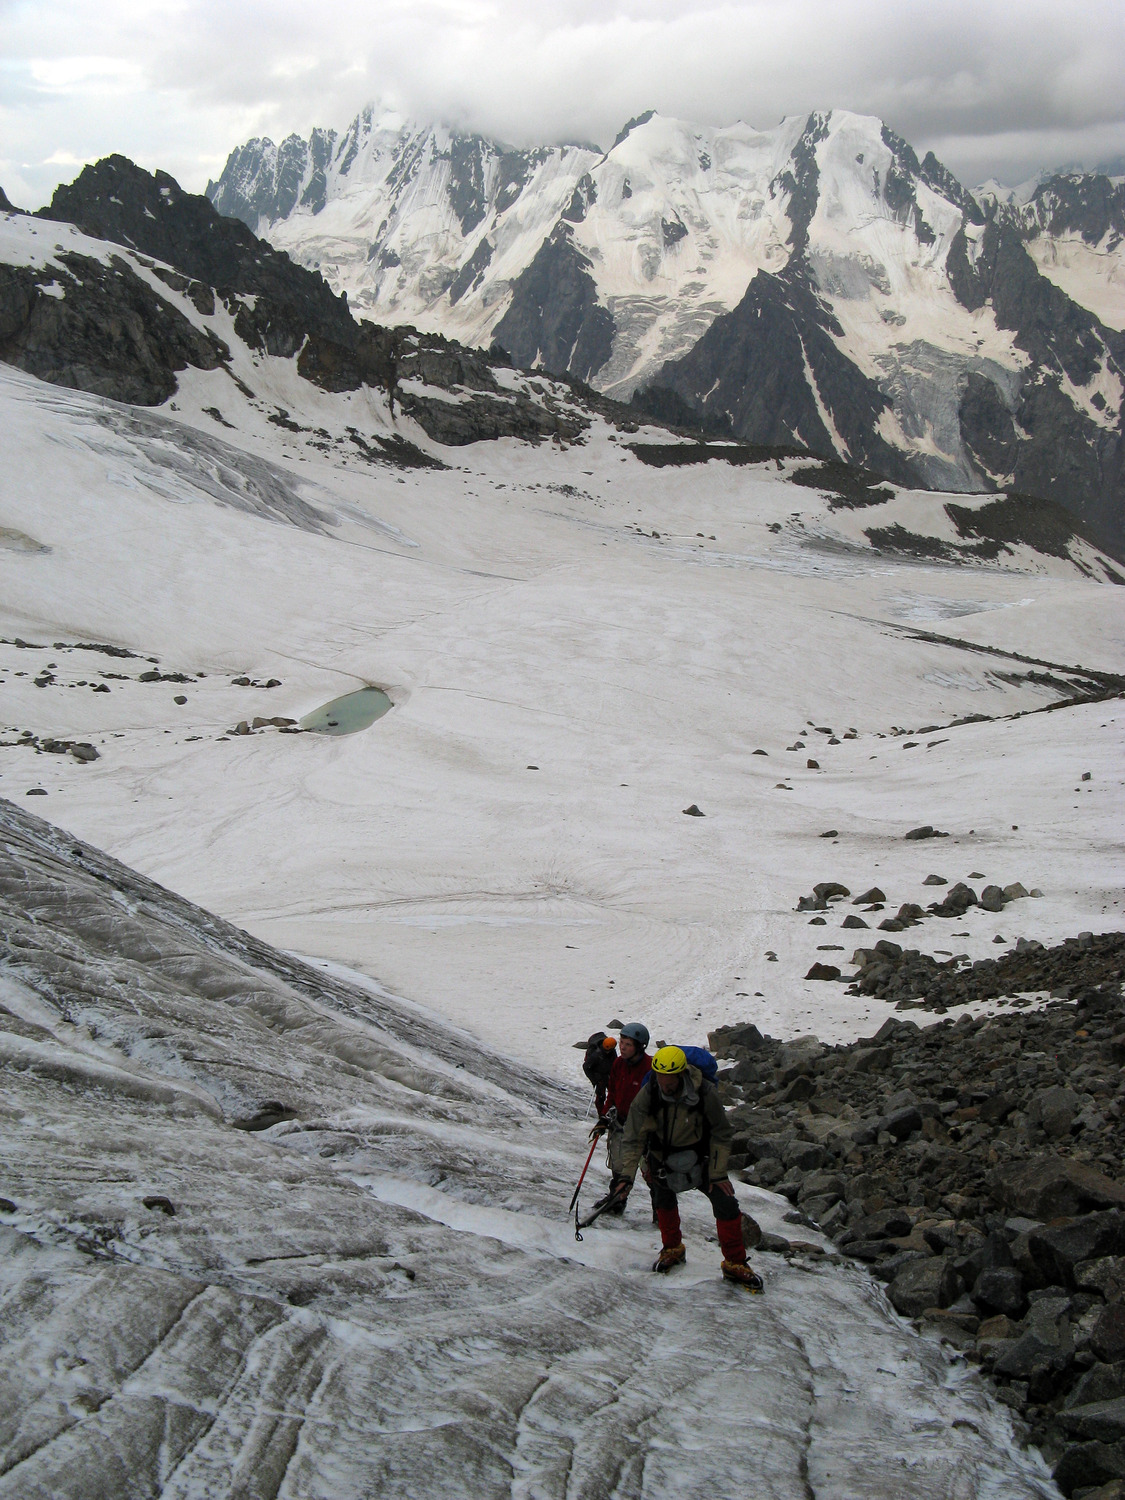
(625,1079)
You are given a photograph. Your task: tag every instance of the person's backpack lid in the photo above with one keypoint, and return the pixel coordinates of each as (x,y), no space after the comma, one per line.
(598,1057)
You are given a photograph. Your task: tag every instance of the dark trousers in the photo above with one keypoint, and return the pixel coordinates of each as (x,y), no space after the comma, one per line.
(728,1219)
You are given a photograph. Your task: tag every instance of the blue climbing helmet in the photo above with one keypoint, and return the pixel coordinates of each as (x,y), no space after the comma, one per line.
(636,1032)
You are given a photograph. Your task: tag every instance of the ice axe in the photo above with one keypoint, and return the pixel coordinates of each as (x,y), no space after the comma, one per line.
(581,1180)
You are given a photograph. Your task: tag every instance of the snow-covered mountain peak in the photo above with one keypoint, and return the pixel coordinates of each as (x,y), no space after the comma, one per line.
(923,323)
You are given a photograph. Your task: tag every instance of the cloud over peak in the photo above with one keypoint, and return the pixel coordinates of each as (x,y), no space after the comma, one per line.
(996,90)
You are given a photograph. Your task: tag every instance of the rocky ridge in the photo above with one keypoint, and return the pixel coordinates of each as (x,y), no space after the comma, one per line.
(976,1166)
(157,281)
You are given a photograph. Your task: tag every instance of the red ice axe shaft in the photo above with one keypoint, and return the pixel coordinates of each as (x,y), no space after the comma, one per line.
(589,1159)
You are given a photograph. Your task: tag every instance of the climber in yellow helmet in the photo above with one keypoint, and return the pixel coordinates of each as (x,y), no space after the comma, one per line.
(678,1126)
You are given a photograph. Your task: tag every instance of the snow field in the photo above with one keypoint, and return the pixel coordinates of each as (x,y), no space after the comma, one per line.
(519,616)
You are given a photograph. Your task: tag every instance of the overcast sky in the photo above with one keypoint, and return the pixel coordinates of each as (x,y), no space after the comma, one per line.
(996,89)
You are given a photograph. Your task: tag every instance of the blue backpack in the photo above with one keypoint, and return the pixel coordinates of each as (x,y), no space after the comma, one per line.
(700,1058)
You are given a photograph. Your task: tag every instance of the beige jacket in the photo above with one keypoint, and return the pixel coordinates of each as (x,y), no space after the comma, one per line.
(656,1126)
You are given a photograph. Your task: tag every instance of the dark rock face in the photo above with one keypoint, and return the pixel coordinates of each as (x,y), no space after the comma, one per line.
(555,319)
(321,143)
(108,333)
(513,168)
(802,183)
(1072,460)
(988,429)
(467,154)
(1085,203)
(631,125)
(471,272)
(899,184)
(746,378)
(585,193)
(262,182)
(752,373)
(672,231)
(115,200)
(937,176)
(1048,446)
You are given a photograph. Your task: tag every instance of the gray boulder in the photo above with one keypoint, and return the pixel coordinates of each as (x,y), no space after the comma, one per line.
(923,1284)
(1088,1464)
(1104,1275)
(798,1056)
(1099,1383)
(1054,1110)
(1000,1290)
(822,1185)
(823,971)
(1107,1339)
(730,1039)
(1098,1421)
(902,1122)
(887,1224)
(996,1110)
(1052,1187)
(1027,1355)
(1057,1249)
(806,1156)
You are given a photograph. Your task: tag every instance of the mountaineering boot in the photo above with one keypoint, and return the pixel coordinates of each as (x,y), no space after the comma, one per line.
(739,1271)
(671,1255)
(615,1200)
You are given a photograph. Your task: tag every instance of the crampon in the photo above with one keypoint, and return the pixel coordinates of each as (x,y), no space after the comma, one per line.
(738,1271)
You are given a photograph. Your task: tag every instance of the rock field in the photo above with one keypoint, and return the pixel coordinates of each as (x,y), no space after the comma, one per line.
(976,1166)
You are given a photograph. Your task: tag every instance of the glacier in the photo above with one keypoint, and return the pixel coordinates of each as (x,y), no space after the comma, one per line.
(381,1288)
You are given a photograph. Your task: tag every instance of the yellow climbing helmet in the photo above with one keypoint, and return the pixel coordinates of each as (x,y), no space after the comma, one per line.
(669,1060)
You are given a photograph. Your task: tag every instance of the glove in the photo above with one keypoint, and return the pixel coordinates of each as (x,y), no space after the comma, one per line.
(600,1128)
(619,1189)
(723,1185)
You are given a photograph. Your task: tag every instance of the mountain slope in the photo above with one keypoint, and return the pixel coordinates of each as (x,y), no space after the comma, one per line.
(1074,227)
(874,309)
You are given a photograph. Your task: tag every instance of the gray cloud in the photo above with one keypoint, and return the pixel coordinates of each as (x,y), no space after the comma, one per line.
(995,88)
